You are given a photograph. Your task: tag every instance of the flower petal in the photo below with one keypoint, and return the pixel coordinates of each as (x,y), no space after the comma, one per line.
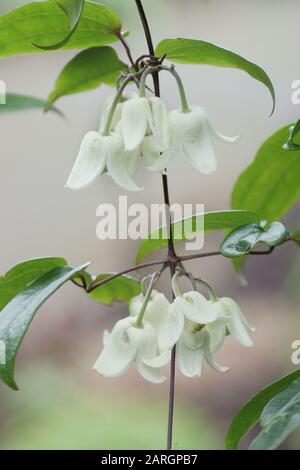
(91,161)
(208,355)
(119,352)
(121,164)
(160,121)
(159,361)
(136,116)
(147,351)
(190,361)
(167,321)
(223,138)
(135,305)
(196,307)
(237,324)
(106,335)
(199,150)
(194,135)
(152,374)
(217,333)
(157,158)
(191,335)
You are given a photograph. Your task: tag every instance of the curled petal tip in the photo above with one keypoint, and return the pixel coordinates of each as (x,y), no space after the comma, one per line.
(225,139)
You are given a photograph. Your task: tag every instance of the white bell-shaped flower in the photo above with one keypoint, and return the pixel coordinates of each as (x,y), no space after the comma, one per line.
(195,135)
(194,307)
(159,313)
(121,164)
(142,118)
(155,147)
(231,320)
(91,160)
(118,111)
(136,119)
(100,153)
(126,345)
(193,348)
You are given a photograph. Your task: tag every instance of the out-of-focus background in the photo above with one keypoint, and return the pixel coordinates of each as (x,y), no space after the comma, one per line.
(63,403)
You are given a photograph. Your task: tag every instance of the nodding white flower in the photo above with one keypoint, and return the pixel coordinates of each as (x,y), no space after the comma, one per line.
(91,160)
(126,345)
(118,111)
(155,147)
(193,132)
(193,347)
(142,117)
(230,320)
(204,332)
(194,307)
(121,164)
(160,314)
(99,153)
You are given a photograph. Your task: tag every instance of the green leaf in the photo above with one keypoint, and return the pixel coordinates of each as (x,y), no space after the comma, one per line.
(17,315)
(192,226)
(15,103)
(295,236)
(238,265)
(46,22)
(243,239)
(248,416)
(73,9)
(192,51)
(23,274)
(291,144)
(270,185)
(121,289)
(86,71)
(279,418)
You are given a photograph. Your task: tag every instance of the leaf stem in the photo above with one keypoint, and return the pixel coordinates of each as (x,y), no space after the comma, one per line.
(127,48)
(165,264)
(95,285)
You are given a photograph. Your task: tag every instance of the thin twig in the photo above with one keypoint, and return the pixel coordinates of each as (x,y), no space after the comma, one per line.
(94,286)
(127,49)
(165,263)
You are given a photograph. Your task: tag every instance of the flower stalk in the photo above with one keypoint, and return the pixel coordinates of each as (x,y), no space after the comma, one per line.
(153,281)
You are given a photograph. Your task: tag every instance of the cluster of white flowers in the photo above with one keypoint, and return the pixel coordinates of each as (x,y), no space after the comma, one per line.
(196,325)
(141,127)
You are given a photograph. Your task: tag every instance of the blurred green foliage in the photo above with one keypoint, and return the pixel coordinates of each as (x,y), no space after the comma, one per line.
(66,415)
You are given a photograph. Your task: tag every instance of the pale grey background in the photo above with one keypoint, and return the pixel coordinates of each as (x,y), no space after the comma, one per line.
(39,217)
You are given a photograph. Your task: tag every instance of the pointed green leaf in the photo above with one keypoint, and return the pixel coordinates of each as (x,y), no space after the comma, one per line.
(291,144)
(279,418)
(238,265)
(16,103)
(192,51)
(248,416)
(73,9)
(17,315)
(46,23)
(295,236)
(121,289)
(243,239)
(23,274)
(188,228)
(270,185)
(86,71)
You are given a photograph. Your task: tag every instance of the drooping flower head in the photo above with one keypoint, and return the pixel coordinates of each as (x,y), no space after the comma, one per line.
(206,325)
(193,133)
